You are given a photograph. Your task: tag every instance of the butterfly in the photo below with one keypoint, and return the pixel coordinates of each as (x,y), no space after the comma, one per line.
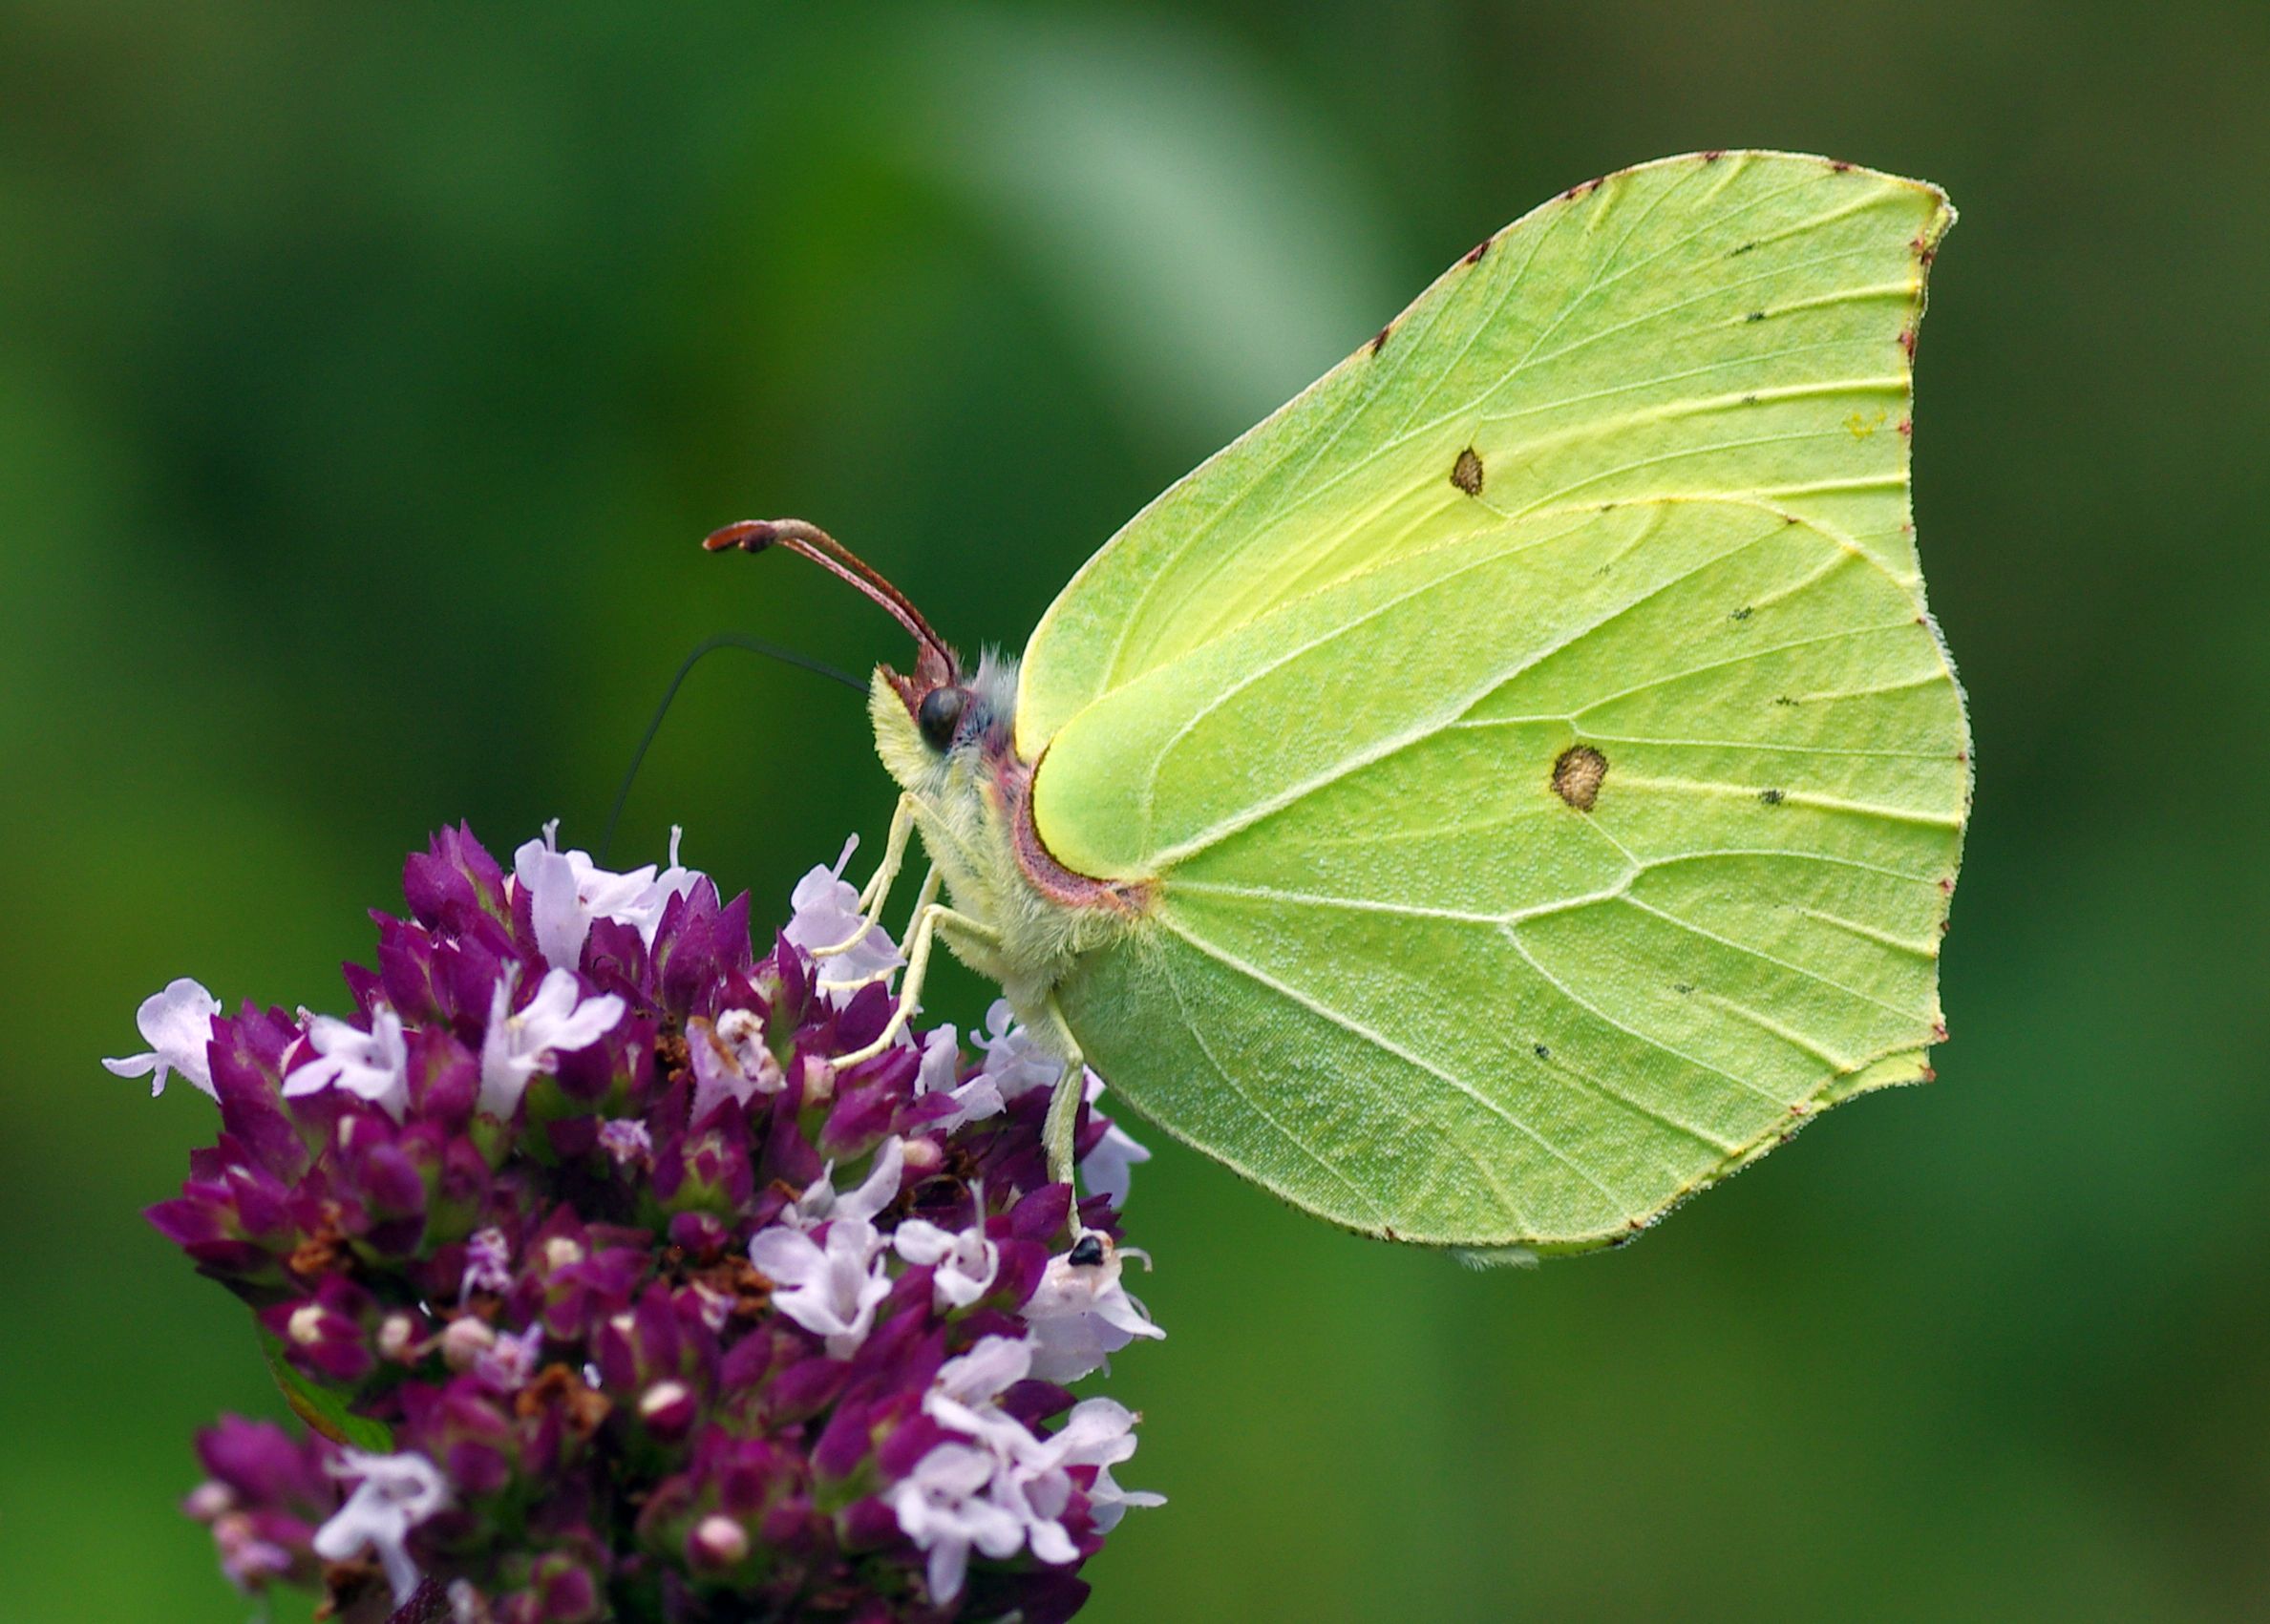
(1516,784)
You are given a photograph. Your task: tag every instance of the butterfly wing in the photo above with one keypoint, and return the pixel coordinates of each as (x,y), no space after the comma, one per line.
(1549,781)
(1735,324)
(1507,892)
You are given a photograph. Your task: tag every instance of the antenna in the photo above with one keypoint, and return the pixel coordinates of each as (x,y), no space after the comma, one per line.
(708,646)
(811,542)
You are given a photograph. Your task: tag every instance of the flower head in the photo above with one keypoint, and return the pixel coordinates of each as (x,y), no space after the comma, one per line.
(663,1314)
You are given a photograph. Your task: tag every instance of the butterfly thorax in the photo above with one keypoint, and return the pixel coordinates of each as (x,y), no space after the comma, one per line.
(971,797)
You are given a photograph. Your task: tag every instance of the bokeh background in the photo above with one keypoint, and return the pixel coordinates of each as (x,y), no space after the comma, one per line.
(367,374)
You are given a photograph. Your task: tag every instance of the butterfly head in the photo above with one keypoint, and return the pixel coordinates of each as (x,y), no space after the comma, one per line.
(939,725)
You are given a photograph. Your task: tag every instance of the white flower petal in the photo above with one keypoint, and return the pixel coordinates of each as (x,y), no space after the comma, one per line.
(396,1493)
(785,1257)
(178,1024)
(1109,1169)
(987,1370)
(922,1242)
(374,1065)
(881,1186)
(948,1566)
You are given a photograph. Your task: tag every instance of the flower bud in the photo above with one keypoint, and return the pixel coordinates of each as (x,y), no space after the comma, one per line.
(717,1543)
(669,1408)
(465,1340)
(398,1339)
(207,1500)
(561,1252)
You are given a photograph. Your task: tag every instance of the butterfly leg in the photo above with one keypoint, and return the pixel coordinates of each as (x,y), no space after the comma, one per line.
(924,900)
(922,936)
(894,852)
(1062,1123)
(878,890)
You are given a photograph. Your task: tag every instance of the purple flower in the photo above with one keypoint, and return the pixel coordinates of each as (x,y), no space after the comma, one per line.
(729,1061)
(488,1264)
(551,1216)
(628,1142)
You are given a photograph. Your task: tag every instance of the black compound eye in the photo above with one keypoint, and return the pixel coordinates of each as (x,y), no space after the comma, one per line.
(1087,1251)
(939,714)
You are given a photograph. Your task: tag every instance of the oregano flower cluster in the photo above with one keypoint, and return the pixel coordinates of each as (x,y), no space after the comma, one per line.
(608,1294)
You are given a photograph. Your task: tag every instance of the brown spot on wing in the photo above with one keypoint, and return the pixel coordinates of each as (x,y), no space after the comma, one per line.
(1473,255)
(1466,471)
(1578,772)
(1379,339)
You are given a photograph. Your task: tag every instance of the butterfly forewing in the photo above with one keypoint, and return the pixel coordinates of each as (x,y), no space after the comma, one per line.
(1736,324)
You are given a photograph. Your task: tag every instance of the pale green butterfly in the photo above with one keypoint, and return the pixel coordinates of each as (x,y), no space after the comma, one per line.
(1516,784)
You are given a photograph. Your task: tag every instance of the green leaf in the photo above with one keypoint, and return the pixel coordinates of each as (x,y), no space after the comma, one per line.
(325,1411)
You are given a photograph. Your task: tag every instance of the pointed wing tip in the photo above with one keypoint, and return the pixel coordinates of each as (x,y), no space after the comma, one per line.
(1943,206)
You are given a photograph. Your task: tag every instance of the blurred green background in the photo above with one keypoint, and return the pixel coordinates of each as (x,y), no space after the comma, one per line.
(368,374)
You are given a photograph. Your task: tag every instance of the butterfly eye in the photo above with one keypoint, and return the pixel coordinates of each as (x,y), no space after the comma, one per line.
(1087,1251)
(939,715)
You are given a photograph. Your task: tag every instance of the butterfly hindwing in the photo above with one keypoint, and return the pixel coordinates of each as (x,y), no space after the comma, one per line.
(1507,892)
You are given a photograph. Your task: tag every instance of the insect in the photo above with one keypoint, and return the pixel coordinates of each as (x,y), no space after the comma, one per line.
(1516,784)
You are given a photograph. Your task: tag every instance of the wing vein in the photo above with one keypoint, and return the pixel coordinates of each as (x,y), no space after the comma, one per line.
(1363,1033)
(1197,1034)
(1511,934)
